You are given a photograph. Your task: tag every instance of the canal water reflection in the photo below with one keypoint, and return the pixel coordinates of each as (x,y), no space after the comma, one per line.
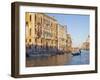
(80,59)
(54,60)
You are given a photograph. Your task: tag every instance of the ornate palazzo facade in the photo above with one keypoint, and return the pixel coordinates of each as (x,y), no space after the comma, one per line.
(43,32)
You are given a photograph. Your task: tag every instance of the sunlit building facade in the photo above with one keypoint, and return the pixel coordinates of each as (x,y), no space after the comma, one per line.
(41,31)
(68,43)
(30,29)
(44,33)
(62,37)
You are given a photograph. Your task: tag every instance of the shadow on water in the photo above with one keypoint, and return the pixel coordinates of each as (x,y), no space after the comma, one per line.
(35,51)
(47,61)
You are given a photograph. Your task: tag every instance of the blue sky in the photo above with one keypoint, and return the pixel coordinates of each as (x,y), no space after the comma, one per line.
(77,26)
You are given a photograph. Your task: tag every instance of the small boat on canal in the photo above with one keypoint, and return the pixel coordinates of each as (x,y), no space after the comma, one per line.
(76,53)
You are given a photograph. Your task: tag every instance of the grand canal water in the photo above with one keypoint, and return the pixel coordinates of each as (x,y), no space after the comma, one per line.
(80,59)
(62,59)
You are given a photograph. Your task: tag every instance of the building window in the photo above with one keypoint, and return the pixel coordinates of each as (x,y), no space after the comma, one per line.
(26,23)
(30,18)
(29,40)
(35,31)
(30,31)
(35,18)
(41,20)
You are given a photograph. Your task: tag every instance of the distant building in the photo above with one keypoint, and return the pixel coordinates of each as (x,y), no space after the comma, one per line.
(68,43)
(75,49)
(86,44)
